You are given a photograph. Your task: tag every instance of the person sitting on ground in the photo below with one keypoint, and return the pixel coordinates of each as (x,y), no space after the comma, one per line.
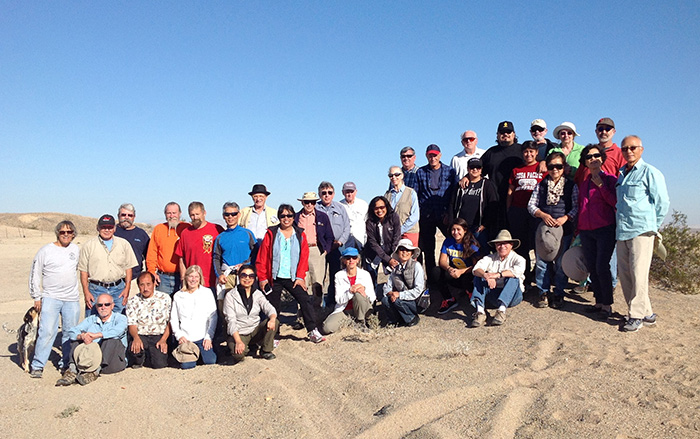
(242,307)
(148,315)
(354,293)
(404,286)
(98,344)
(193,317)
(457,257)
(498,280)
(555,203)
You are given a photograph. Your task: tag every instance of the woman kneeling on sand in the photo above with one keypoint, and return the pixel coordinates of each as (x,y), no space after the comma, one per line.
(354,293)
(242,308)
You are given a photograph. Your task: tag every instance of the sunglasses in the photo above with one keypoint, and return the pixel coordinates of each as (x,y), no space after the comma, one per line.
(536,129)
(230,214)
(595,155)
(407,156)
(395,174)
(469,139)
(103,305)
(128,215)
(107,228)
(474,167)
(401,249)
(66,232)
(323,193)
(286,215)
(558,166)
(601,129)
(631,148)
(505,132)
(565,133)
(379,207)
(247,275)
(309,202)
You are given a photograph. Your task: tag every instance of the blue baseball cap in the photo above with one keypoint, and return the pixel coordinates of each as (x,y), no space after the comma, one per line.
(350,252)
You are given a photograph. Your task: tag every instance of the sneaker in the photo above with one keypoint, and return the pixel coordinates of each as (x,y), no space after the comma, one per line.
(316,336)
(268,356)
(478,319)
(556,302)
(413,322)
(499,318)
(298,326)
(86,378)
(580,289)
(632,325)
(541,301)
(276,343)
(448,305)
(36,373)
(67,379)
(649,320)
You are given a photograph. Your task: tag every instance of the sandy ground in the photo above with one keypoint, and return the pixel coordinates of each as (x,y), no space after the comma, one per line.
(544,374)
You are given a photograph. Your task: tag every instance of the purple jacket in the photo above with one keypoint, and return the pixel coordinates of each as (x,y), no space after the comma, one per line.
(597,204)
(324,232)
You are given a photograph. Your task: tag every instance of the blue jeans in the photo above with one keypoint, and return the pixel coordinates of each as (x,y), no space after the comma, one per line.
(407,310)
(544,271)
(48,328)
(114,291)
(207,357)
(509,296)
(169,283)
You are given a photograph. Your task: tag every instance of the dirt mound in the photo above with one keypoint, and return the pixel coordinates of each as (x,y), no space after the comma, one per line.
(46,221)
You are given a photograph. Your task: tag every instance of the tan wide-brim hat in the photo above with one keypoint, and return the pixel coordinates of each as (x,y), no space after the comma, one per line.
(186,352)
(504,236)
(87,357)
(309,196)
(408,245)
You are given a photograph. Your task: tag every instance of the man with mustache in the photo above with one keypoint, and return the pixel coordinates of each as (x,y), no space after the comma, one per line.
(161,260)
(196,244)
(137,237)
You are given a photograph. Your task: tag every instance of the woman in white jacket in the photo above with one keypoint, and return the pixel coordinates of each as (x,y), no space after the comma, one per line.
(354,292)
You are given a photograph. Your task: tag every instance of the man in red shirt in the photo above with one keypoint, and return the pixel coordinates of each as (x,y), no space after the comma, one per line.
(196,244)
(605,130)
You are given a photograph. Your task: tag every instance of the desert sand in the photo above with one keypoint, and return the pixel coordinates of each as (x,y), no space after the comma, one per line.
(544,374)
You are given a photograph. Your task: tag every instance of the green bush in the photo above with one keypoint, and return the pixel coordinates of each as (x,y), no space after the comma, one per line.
(681,270)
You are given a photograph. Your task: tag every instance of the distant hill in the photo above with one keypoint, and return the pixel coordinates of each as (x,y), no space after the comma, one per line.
(46,221)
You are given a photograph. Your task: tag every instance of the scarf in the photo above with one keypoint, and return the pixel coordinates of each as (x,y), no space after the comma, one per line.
(554,190)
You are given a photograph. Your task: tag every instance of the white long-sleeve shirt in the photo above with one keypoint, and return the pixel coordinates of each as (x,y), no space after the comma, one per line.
(193,315)
(54,273)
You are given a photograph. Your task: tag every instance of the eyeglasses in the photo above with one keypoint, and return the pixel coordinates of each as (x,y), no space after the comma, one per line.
(66,232)
(407,156)
(286,215)
(468,139)
(498,244)
(536,129)
(552,167)
(595,155)
(324,193)
(309,202)
(395,174)
(103,305)
(128,215)
(600,129)
(379,207)
(565,133)
(230,214)
(631,148)
(246,275)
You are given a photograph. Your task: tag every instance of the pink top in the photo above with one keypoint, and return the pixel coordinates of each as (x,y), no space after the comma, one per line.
(597,204)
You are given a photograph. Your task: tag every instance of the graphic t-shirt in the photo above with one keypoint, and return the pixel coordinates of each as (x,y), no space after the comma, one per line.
(459,256)
(525,180)
(196,247)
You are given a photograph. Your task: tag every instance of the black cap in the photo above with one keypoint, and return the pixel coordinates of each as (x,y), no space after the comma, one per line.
(506,127)
(432,148)
(475,162)
(106,220)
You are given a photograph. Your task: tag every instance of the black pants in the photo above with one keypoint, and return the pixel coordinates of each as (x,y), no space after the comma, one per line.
(426,240)
(333,261)
(454,288)
(306,301)
(150,355)
(113,355)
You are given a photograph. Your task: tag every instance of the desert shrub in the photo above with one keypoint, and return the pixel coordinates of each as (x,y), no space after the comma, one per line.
(681,270)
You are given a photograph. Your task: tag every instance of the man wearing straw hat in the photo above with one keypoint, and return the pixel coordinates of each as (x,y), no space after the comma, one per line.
(498,280)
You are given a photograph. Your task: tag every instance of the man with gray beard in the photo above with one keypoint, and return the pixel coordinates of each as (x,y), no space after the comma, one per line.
(161,260)
(137,237)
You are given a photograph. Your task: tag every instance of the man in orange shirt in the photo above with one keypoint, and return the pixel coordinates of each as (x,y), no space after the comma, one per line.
(161,260)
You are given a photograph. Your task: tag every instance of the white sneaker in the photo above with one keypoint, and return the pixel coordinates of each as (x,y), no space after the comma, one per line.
(316,336)
(276,343)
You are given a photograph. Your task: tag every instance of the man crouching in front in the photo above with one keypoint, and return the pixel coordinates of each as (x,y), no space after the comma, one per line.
(98,345)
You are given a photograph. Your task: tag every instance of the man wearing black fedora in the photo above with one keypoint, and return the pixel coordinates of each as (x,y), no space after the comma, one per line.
(259,216)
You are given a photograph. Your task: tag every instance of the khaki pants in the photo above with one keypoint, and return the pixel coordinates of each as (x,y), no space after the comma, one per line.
(317,272)
(360,308)
(633,262)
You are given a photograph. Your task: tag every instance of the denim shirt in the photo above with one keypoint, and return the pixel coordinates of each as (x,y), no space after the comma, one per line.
(114,327)
(642,201)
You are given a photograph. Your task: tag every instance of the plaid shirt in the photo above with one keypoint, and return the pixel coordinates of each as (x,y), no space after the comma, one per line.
(410,178)
(435,200)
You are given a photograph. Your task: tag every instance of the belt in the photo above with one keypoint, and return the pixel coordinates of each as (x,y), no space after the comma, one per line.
(105,284)
(313,245)
(166,273)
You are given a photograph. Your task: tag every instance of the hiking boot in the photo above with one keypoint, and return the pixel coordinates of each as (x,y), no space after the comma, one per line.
(413,322)
(649,320)
(67,379)
(268,356)
(448,305)
(499,318)
(541,301)
(36,373)
(632,325)
(478,319)
(86,378)
(298,326)
(556,302)
(316,336)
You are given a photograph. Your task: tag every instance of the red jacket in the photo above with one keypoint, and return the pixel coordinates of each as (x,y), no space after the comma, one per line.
(263,264)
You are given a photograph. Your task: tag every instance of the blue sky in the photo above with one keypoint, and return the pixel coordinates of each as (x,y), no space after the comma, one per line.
(145,102)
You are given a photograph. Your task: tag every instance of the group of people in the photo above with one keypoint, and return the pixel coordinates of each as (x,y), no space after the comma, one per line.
(200,284)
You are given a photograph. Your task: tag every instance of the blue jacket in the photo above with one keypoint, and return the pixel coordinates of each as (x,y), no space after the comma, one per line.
(642,201)
(324,232)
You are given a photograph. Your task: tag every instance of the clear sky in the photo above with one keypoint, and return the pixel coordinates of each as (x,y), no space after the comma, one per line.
(146,102)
